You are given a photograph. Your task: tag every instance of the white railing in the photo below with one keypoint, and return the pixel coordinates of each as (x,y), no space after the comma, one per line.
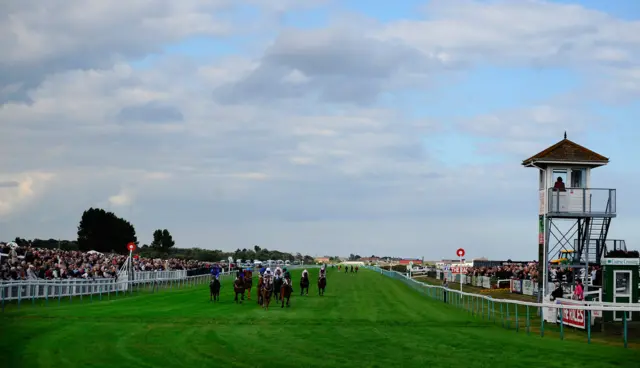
(601,306)
(69,288)
(561,312)
(152,275)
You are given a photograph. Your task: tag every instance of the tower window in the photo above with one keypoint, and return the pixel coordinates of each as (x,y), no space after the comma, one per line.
(577,178)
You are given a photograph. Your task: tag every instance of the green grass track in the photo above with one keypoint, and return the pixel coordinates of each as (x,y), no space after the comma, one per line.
(364,320)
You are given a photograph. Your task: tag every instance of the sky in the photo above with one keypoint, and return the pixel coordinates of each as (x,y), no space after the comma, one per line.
(325,127)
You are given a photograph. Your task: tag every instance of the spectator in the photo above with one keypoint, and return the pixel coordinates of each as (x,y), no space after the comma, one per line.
(578,293)
(27,263)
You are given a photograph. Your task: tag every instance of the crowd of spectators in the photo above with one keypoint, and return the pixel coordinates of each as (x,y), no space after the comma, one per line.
(27,263)
(507,271)
(530,272)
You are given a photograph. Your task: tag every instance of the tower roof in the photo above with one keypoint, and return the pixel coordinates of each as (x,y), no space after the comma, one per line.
(567,151)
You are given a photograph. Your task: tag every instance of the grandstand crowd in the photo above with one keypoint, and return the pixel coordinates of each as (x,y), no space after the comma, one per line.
(530,272)
(512,271)
(27,263)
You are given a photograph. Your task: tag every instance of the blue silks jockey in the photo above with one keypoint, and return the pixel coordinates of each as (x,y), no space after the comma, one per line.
(215,271)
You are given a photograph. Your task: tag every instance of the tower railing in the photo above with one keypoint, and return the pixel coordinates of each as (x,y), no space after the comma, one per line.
(581,201)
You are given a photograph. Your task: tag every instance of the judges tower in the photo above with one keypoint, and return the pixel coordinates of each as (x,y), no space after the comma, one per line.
(574,218)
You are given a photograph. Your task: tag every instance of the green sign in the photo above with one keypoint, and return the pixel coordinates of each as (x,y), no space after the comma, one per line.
(622,261)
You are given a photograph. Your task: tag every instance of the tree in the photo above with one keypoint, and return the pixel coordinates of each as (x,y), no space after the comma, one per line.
(162,240)
(103,231)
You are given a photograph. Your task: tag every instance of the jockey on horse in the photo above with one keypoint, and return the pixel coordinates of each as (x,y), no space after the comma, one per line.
(322,280)
(260,282)
(286,289)
(238,286)
(267,288)
(277,282)
(248,282)
(304,282)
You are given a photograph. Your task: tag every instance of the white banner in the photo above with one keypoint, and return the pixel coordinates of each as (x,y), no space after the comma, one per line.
(527,287)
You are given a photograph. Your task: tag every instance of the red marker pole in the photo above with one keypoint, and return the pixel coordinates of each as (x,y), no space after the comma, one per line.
(460,254)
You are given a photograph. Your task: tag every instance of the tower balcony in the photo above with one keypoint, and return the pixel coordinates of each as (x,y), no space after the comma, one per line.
(578,202)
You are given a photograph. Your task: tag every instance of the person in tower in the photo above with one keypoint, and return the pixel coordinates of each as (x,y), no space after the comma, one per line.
(559,185)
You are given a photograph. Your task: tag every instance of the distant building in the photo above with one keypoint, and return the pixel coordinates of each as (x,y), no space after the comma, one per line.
(407,261)
(370,259)
(321,259)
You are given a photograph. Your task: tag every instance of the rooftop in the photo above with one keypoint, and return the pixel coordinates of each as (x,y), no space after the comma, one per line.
(567,151)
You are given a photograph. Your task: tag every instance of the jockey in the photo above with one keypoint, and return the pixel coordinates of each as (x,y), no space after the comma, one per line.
(323,273)
(287,274)
(305,273)
(267,274)
(215,271)
(278,273)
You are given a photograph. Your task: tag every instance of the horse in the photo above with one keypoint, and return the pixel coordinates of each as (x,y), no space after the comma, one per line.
(248,282)
(285,291)
(260,283)
(322,284)
(238,288)
(277,285)
(267,290)
(304,284)
(214,290)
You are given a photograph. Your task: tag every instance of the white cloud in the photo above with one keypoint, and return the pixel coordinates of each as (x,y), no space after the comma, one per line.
(122,199)
(23,190)
(290,146)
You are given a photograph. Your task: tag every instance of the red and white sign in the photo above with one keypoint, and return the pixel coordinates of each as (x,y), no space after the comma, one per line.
(459,269)
(573,317)
(131,247)
(460,252)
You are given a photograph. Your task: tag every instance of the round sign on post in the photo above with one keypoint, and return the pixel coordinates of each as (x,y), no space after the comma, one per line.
(131,247)
(460,253)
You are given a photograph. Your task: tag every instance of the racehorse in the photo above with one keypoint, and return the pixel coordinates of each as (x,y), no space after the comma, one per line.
(214,289)
(267,290)
(260,282)
(304,283)
(285,291)
(248,282)
(238,288)
(277,285)
(322,284)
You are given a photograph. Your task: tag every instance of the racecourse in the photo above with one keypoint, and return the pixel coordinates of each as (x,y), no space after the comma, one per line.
(364,320)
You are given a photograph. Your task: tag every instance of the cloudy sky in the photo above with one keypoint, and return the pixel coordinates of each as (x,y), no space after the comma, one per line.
(333,127)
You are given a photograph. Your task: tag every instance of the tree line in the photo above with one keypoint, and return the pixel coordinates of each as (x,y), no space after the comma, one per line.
(105,232)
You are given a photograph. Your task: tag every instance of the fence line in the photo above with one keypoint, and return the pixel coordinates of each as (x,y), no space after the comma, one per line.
(576,314)
(30,290)
(18,290)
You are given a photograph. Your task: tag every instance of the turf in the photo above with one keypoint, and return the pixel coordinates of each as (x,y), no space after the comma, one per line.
(367,320)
